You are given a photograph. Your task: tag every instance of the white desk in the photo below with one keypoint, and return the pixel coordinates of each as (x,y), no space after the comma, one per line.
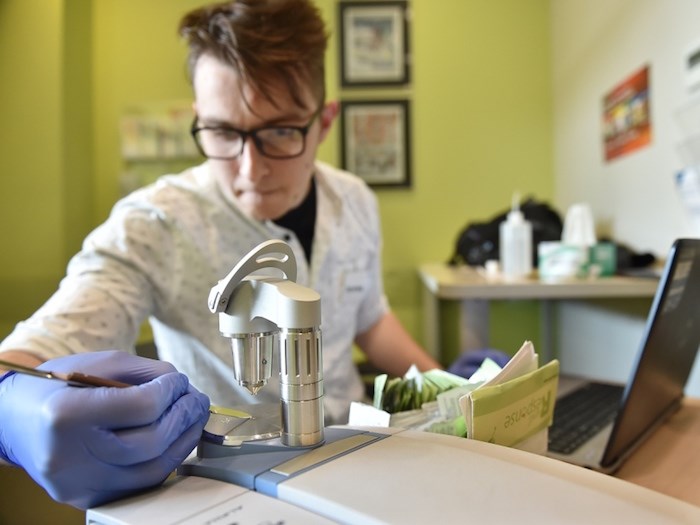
(474,289)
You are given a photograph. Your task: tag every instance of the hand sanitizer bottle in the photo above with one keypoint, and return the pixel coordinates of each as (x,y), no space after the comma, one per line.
(515,243)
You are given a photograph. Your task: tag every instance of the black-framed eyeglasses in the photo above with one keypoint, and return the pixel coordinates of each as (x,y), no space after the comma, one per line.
(275,142)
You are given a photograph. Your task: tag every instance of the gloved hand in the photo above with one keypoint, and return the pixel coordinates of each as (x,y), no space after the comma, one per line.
(87,446)
(469,361)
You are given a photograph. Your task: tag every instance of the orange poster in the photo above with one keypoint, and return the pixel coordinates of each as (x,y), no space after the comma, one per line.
(626,116)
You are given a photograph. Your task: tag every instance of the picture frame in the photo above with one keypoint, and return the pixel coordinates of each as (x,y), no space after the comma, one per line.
(375,141)
(374,43)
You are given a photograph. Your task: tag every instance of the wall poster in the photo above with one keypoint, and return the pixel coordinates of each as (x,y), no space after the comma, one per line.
(626,116)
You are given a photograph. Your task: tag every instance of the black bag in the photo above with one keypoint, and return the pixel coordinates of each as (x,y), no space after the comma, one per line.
(478,242)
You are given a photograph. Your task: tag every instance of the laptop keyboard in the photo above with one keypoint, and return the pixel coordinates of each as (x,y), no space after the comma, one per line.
(581,413)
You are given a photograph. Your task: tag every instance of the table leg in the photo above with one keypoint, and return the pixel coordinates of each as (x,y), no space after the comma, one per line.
(547,320)
(431,323)
(474,324)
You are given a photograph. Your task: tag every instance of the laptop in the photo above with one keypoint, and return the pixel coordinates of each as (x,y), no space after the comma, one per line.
(655,388)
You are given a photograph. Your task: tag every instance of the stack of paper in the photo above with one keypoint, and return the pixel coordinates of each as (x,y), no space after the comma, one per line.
(515,407)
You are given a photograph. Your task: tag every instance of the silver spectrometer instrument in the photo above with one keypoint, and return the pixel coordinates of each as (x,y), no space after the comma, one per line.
(266,316)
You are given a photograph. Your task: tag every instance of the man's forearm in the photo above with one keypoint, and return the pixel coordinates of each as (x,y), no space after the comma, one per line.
(389,347)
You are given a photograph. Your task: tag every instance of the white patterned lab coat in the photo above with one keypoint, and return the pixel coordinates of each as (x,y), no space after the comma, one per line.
(164,247)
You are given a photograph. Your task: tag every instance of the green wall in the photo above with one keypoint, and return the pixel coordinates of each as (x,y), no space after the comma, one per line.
(30,149)
(481,127)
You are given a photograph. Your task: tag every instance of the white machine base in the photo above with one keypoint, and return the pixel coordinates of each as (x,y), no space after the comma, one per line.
(410,477)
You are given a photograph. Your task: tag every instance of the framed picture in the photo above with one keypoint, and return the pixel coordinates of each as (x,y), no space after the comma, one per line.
(373,43)
(375,141)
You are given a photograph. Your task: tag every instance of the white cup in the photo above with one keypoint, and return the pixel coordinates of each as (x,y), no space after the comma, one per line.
(579,229)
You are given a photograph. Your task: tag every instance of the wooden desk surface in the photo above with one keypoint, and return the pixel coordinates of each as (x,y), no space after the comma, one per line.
(466,282)
(668,461)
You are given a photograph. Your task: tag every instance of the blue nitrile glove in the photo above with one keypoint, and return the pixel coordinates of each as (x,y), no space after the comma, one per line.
(469,361)
(87,446)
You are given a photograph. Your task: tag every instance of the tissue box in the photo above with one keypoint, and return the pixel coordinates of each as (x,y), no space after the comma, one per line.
(556,260)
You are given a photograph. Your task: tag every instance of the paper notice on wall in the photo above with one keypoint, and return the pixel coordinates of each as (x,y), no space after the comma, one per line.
(627,116)
(688,184)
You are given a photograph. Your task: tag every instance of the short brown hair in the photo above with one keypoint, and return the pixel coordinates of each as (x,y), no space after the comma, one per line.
(264,41)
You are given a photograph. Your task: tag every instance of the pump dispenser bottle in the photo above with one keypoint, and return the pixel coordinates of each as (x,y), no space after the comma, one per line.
(515,243)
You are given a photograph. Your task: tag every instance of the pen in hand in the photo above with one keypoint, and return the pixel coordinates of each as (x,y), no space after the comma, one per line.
(72,378)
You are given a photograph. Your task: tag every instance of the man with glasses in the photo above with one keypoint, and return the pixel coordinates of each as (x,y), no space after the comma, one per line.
(257,69)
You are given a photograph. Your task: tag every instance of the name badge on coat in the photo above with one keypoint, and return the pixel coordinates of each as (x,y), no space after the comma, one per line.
(355,283)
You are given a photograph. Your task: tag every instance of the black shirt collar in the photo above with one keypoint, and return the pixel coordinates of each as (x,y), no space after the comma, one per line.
(302,220)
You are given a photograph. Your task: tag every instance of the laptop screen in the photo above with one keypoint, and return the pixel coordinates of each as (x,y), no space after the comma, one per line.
(667,352)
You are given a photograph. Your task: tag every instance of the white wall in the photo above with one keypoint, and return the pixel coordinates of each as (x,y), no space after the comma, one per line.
(596,44)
